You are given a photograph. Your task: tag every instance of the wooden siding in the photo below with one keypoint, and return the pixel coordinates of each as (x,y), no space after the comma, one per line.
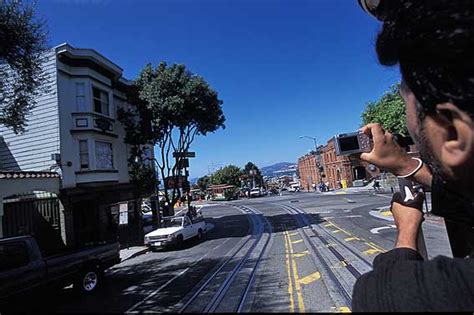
(32,150)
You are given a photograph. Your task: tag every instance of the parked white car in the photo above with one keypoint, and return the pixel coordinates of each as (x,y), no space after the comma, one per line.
(175,231)
(255,192)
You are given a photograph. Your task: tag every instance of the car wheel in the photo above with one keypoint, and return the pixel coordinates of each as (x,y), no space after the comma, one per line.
(88,280)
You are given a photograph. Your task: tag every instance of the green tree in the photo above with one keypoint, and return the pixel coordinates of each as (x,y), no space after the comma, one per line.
(229,174)
(22,47)
(172,107)
(203,182)
(250,171)
(388,111)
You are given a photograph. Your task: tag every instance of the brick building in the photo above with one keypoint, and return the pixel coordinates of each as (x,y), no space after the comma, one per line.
(335,169)
(308,171)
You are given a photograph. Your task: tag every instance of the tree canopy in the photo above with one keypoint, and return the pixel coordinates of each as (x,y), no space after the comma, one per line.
(229,174)
(388,111)
(249,168)
(22,45)
(171,107)
(203,183)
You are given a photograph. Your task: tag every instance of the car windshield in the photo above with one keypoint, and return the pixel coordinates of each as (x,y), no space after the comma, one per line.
(174,222)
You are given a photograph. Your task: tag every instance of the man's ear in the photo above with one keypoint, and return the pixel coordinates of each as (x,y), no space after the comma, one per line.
(458,138)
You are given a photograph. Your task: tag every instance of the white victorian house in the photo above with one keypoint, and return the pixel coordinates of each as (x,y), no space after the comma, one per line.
(73,131)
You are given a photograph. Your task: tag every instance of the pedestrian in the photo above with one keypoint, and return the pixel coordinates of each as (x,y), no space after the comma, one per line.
(433,44)
(376,185)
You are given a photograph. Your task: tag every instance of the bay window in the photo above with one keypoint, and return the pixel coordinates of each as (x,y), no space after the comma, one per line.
(103,155)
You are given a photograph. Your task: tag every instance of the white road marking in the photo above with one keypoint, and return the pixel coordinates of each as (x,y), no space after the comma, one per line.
(376,230)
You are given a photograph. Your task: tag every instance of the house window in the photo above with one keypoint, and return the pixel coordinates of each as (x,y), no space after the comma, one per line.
(103,155)
(101,101)
(83,154)
(81,97)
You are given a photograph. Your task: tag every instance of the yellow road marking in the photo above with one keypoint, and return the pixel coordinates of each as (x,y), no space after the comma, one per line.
(336,231)
(293,234)
(290,283)
(296,242)
(337,227)
(371,251)
(310,278)
(302,254)
(295,276)
(327,224)
(344,309)
(341,193)
(375,246)
(352,238)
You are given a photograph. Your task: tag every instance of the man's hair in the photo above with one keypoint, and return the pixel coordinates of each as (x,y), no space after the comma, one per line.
(433,42)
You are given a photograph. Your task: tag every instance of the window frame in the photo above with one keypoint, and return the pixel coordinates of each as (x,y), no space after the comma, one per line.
(94,99)
(81,153)
(83,96)
(111,155)
(27,255)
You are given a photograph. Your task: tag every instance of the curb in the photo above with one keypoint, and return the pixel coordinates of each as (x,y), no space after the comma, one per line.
(138,253)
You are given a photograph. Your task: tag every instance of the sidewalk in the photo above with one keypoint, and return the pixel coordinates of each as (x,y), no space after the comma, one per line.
(128,253)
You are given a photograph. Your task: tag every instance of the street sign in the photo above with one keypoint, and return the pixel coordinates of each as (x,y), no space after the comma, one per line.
(178,182)
(185,154)
(123,213)
(183,163)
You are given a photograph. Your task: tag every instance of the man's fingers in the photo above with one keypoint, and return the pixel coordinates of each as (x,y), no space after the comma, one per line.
(365,156)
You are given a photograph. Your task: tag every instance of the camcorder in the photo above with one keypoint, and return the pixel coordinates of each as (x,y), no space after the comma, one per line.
(358,142)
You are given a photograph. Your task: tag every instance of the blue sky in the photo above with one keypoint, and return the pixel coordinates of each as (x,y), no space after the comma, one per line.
(282,68)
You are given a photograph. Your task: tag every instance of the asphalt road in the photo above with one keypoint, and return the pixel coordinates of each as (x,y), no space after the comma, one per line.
(299,252)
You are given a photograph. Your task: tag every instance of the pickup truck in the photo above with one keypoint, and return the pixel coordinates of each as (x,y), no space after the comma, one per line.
(175,231)
(23,268)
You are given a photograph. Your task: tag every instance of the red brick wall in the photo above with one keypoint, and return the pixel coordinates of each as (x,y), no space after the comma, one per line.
(308,171)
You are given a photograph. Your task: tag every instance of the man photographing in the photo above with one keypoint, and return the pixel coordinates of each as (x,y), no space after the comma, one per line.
(432,41)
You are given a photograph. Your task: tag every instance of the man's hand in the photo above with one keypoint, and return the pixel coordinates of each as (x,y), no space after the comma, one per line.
(408,216)
(387,154)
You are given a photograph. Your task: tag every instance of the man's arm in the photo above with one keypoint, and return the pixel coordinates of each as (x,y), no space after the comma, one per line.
(402,281)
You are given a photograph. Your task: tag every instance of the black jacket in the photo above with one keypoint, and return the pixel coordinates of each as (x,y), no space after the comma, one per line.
(402,282)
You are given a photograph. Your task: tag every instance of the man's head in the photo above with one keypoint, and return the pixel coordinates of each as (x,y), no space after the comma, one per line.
(433,43)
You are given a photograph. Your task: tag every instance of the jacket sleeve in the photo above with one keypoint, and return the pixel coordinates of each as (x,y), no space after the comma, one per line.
(401,282)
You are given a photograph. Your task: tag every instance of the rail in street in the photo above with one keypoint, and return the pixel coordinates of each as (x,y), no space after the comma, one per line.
(293,253)
(227,288)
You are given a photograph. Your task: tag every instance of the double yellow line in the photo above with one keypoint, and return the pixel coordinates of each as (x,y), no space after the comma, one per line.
(292,271)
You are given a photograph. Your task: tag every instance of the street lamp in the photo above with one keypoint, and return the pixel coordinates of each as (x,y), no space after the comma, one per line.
(314,139)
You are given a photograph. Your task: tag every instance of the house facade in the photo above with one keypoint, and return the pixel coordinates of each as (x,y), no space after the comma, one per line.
(73,131)
(335,171)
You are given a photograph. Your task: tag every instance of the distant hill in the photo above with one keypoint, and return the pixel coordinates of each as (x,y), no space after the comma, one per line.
(271,169)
